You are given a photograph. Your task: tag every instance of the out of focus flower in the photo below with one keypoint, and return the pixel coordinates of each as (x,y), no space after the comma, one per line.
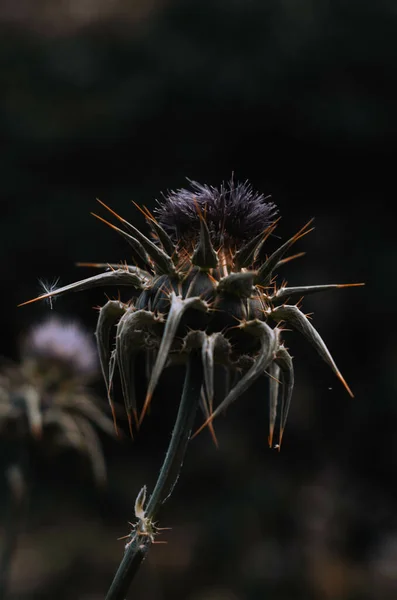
(47,397)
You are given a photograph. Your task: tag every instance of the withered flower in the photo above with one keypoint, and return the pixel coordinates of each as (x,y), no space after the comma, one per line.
(47,396)
(205,285)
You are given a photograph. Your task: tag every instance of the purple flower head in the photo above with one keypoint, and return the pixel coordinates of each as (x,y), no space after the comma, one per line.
(234,213)
(64,344)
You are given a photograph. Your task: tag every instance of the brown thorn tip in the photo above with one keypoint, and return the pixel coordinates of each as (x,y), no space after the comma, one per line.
(42,297)
(280,439)
(114,418)
(213,434)
(207,422)
(152,217)
(342,285)
(106,222)
(289,258)
(144,409)
(144,211)
(270,436)
(129,417)
(340,376)
(110,210)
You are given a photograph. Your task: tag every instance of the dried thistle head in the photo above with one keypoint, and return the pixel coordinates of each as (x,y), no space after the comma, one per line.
(46,395)
(206,283)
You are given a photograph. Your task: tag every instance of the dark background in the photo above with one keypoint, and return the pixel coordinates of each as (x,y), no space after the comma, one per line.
(121,101)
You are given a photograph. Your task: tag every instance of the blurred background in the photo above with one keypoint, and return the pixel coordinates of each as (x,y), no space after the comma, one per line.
(122,101)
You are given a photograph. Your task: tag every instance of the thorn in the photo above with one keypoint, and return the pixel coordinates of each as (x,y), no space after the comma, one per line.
(280,439)
(297,304)
(208,411)
(270,436)
(106,222)
(113,415)
(42,297)
(110,210)
(341,378)
(272,377)
(289,258)
(144,211)
(150,215)
(95,265)
(213,434)
(129,417)
(144,409)
(342,285)
(205,424)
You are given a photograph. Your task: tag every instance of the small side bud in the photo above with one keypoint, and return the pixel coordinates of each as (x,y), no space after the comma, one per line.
(139,503)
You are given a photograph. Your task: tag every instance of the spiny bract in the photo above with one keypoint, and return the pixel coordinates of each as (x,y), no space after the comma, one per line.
(205,283)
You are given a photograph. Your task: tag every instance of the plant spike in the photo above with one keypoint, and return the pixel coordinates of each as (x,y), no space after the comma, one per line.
(130,340)
(283,261)
(144,275)
(206,412)
(284,362)
(304,290)
(135,244)
(119,277)
(209,346)
(246,256)
(108,315)
(265,272)
(295,317)
(274,374)
(160,233)
(160,258)
(207,356)
(177,309)
(268,347)
(204,255)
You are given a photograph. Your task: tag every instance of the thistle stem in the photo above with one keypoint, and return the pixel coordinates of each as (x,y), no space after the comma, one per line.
(16,510)
(137,550)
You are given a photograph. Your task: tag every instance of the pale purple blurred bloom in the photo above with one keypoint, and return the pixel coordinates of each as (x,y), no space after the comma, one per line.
(64,343)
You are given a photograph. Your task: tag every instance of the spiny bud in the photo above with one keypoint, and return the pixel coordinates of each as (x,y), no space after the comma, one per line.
(208,283)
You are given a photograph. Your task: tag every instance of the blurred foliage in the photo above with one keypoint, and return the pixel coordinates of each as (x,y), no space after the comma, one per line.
(121,102)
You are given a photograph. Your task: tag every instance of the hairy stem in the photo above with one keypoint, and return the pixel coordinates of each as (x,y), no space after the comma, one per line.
(137,550)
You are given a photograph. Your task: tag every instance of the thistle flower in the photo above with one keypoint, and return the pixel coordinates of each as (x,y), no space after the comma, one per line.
(46,395)
(206,286)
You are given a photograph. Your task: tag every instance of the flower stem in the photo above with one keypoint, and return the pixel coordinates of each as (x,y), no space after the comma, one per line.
(137,550)
(16,510)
